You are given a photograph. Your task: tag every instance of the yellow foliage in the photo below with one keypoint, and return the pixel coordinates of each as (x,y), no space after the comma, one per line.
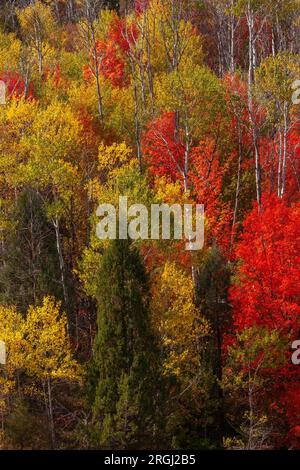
(10,48)
(113,156)
(37,22)
(177,320)
(37,26)
(48,352)
(16,119)
(161,37)
(170,192)
(38,345)
(11,332)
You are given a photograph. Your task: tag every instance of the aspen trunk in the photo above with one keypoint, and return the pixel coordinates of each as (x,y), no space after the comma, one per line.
(252,63)
(284,156)
(97,78)
(61,259)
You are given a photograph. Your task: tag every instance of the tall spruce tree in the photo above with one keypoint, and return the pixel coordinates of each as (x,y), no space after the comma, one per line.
(29,267)
(123,386)
(213,282)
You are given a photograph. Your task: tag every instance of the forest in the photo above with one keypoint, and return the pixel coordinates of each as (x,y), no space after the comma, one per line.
(141,344)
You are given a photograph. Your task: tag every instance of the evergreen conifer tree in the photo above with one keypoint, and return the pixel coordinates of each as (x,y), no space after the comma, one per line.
(29,267)
(124,374)
(213,282)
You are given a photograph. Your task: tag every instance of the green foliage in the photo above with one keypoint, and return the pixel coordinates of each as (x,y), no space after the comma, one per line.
(124,376)
(274,80)
(30,260)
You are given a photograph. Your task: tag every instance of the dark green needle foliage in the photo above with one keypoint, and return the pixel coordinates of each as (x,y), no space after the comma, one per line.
(124,374)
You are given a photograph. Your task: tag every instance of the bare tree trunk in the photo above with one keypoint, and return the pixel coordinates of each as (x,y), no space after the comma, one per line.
(238,182)
(257,164)
(149,64)
(279,164)
(188,143)
(40,60)
(97,78)
(273,43)
(90,11)
(61,259)
(136,114)
(251,415)
(251,45)
(33,254)
(232,30)
(284,159)
(252,63)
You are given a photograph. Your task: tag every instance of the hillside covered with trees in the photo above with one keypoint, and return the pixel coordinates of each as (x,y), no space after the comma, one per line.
(141,344)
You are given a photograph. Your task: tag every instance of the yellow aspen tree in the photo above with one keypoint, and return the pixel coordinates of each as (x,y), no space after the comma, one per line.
(37,24)
(48,352)
(178,321)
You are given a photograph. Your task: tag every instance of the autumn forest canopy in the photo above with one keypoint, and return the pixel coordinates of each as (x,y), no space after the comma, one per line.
(142,344)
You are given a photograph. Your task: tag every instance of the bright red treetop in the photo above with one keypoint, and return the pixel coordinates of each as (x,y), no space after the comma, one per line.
(165,152)
(207,181)
(122,34)
(268,290)
(112,55)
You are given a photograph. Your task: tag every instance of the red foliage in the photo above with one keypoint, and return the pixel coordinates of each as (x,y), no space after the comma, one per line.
(164,151)
(111,65)
(15,84)
(122,34)
(207,179)
(268,292)
(236,86)
(112,54)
